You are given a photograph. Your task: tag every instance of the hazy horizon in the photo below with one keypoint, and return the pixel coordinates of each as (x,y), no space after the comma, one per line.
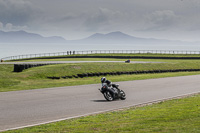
(23,49)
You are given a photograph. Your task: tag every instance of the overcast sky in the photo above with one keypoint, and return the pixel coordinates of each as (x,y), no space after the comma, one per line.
(76,19)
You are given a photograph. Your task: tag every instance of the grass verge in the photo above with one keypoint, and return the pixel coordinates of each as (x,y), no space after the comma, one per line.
(178,115)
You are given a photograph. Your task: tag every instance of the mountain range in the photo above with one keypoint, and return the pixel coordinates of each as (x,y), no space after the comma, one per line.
(25,37)
(121,38)
(110,38)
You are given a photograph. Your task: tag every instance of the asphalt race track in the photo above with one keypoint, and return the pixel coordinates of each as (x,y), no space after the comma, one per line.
(33,107)
(63,62)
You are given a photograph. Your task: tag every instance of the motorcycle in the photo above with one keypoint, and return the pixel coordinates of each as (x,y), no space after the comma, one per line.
(113,92)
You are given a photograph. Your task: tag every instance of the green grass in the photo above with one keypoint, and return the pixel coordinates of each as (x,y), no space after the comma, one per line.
(35,78)
(27,84)
(78,68)
(178,115)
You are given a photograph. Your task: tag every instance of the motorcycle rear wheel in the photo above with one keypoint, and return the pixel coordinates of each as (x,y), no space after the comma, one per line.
(108,96)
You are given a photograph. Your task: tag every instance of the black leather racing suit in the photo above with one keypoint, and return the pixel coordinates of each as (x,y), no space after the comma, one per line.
(111,87)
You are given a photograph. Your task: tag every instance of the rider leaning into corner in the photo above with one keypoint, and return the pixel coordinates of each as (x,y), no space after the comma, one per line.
(112,87)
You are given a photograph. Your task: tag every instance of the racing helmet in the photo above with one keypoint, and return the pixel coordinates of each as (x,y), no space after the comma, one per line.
(103,79)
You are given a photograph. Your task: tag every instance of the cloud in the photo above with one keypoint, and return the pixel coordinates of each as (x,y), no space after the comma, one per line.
(113,20)
(106,20)
(8,26)
(97,21)
(17,12)
(11,27)
(1,26)
(160,20)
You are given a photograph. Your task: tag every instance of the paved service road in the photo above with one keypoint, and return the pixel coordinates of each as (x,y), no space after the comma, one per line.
(60,62)
(32,107)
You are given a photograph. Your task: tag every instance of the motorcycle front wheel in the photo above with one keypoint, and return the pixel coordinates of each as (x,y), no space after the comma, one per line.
(123,95)
(108,96)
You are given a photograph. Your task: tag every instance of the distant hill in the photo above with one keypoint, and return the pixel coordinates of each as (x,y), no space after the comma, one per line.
(113,35)
(97,38)
(25,37)
(121,38)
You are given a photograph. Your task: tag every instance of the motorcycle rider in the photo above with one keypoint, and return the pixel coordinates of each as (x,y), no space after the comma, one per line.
(112,87)
(104,80)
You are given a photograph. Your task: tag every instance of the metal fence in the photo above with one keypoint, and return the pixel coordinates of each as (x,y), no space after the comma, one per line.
(99,52)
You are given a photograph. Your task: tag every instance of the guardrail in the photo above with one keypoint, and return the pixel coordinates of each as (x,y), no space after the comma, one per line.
(17,57)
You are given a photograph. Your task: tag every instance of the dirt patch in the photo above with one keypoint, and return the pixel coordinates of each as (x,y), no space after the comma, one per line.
(76,67)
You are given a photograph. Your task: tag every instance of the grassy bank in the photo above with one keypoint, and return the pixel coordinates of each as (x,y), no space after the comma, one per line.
(179,115)
(35,78)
